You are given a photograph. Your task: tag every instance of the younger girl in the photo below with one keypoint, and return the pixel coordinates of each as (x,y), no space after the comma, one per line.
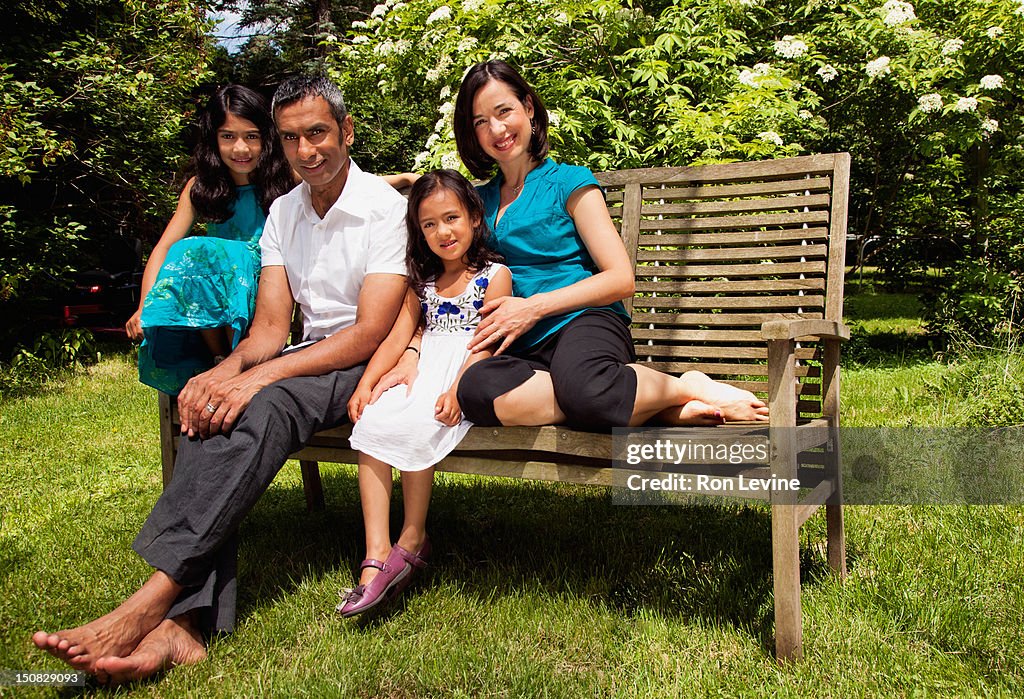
(453,273)
(199,293)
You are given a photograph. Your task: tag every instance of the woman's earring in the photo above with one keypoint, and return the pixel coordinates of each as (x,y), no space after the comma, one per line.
(533,127)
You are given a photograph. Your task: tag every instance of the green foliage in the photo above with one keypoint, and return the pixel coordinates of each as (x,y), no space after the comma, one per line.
(52,354)
(926,96)
(987,387)
(982,300)
(95,94)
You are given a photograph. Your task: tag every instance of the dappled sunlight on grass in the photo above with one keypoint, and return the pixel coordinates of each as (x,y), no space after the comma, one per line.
(535,589)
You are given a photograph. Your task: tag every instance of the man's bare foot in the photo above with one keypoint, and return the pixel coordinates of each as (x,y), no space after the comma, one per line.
(692,412)
(116,633)
(113,634)
(734,403)
(174,642)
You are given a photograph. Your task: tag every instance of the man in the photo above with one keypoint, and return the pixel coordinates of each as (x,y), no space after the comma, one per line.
(336,246)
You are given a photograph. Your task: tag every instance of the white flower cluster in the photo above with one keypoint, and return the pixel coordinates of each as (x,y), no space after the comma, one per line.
(966,104)
(446,92)
(990,126)
(952,46)
(790,47)
(451,160)
(435,73)
(827,73)
(360,24)
(897,13)
(472,5)
(770,137)
(1019,10)
(805,115)
(440,14)
(752,77)
(991,82)
(360,39)
(750,3)
(379,11)
(994,32)
(932,102)
(467,44)
(879,66)
(554,119)
(419,160)
(561,18)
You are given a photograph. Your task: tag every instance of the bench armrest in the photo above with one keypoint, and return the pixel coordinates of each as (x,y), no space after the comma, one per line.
(792,329)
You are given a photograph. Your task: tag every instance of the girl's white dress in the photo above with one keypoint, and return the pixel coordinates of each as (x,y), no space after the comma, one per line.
(400,429)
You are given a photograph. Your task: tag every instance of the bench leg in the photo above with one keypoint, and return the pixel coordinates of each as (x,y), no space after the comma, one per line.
(786,573)
(168,449)
(836,539)
(312,485)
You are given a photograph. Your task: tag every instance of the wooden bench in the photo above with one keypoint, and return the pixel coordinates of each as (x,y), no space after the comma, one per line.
(739,274)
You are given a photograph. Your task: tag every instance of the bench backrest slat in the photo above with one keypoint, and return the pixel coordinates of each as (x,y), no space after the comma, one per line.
(717,250)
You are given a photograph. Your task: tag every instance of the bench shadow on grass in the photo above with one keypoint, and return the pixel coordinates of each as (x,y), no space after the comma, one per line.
(523,539)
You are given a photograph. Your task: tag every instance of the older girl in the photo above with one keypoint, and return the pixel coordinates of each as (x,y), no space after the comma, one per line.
(199,292)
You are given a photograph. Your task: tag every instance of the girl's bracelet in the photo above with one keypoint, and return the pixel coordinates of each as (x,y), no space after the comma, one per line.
(410,347)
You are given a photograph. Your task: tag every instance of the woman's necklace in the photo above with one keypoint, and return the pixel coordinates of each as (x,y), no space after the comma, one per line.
(518,189)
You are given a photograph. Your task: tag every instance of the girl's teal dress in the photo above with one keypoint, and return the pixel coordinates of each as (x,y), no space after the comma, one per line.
(205,282)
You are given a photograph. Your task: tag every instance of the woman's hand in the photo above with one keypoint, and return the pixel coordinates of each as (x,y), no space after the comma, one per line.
(405,372)
(504,320)
(134,326)
(447,408)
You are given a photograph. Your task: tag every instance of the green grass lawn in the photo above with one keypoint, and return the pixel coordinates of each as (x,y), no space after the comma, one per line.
(536,589)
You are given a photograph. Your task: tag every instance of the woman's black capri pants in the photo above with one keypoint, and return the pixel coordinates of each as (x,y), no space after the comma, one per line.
(587,361)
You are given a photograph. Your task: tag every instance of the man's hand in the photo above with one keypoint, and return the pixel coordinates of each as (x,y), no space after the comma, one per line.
(447,409)
(211,402)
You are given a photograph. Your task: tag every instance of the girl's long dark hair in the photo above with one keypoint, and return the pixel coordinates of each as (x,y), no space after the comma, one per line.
(424,266)
(213,194)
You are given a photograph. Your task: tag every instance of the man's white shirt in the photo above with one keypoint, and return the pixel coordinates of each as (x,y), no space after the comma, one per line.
(327,259)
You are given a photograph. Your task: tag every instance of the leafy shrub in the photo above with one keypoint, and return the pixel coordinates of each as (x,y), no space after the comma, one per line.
(989,387)
(51,355)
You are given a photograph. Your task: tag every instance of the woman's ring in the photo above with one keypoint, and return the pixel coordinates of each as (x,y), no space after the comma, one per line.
(211,408)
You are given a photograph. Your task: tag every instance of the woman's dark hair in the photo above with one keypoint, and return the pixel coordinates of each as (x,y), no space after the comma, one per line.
(473,156)
(424,266)
(213,194)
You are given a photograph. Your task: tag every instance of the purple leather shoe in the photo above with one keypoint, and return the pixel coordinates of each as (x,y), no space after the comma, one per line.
(395,575)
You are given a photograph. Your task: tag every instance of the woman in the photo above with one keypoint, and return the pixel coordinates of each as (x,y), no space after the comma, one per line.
(562,345)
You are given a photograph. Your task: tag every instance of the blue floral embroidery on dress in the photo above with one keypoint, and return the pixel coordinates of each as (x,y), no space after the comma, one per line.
(460,314)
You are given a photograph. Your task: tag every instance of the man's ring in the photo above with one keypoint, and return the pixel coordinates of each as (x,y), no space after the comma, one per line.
(211,408)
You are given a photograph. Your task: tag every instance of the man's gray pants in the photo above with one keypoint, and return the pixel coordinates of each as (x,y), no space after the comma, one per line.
(192,532)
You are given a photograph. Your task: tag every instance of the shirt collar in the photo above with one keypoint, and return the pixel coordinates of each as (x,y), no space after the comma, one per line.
(352,200)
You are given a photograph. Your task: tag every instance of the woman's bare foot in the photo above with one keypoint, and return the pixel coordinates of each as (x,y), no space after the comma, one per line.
(692,412)
(116,633)
(174,642)
(734,403)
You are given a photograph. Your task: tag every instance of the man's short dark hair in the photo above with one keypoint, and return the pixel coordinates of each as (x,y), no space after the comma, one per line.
(300,87)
